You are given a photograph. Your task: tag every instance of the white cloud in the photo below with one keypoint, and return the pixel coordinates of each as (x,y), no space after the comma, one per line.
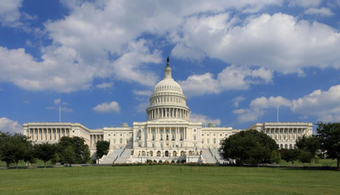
(128,66)
(102,39)
(142,107)
(105,85)
(203,119)
(237,100)
(231,78)
(258,40)
(107,107)
(321,11)
(305,3)
(7,125)
(142,92)
(9,12)
(325,105)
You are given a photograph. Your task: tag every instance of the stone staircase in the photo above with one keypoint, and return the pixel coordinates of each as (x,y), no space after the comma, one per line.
(110,157)
(208,156)
(124,156)
(218,156)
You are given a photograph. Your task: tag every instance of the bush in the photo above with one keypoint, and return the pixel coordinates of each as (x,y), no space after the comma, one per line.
(172,161)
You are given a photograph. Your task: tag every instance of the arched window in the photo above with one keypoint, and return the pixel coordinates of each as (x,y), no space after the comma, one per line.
(194,137)
(120,140)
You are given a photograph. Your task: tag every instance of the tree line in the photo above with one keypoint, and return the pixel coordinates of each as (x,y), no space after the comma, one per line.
(254,147)
(17,147)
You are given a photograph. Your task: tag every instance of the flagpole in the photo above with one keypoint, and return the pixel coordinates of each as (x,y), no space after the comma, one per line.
(59,113)
(277,113)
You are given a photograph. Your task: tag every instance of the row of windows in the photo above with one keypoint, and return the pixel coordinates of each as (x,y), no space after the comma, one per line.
(283,131)
(215,134)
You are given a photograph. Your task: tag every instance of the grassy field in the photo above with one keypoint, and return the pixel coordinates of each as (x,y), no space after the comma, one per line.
(168,179)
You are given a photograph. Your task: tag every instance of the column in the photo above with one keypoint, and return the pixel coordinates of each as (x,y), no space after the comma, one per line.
(33,134)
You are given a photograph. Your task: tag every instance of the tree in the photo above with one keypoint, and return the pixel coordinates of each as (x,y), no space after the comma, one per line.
(69,155)
(14,148)
(102,148)
(80,150)
(44,151)
(290,155)
(6,148)
(275,157)
(249,147)
(86,155)
(308,147)
(329,137)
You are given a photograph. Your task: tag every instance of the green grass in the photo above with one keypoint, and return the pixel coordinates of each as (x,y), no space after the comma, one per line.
(168,179)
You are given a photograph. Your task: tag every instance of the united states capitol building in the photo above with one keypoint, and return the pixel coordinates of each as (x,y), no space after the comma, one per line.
(167,135)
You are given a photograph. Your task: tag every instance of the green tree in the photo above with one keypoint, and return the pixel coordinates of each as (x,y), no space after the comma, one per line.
(290,155)
(329,137)
(308,147)
(275,157)
(78,146)
(45,151)
(102,148)
(86,155)
(249,147)
(69,155)
(6,148)
(55,158)
(14,148)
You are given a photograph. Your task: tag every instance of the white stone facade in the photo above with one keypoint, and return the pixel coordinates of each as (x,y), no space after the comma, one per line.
(167,134)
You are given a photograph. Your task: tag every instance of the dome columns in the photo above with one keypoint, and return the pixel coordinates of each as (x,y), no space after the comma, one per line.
(168,112)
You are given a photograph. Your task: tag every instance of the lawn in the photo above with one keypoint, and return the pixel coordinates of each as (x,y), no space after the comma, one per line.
(168,179)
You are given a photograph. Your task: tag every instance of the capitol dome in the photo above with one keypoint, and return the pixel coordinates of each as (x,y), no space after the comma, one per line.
(167,101)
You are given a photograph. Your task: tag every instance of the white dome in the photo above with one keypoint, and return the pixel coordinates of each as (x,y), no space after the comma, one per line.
(167,103)
(167,85)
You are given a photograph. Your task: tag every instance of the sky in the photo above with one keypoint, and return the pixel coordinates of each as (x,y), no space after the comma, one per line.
(238,62)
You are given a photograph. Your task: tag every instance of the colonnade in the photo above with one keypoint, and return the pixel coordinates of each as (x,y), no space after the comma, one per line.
(279,134)
(168,113)
(167,133)
(95,137)
(48,134)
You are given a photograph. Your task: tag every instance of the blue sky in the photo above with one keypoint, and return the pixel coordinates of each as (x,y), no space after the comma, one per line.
(236,61)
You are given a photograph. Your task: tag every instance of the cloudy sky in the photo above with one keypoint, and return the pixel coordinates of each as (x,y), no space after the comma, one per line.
(237,61)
